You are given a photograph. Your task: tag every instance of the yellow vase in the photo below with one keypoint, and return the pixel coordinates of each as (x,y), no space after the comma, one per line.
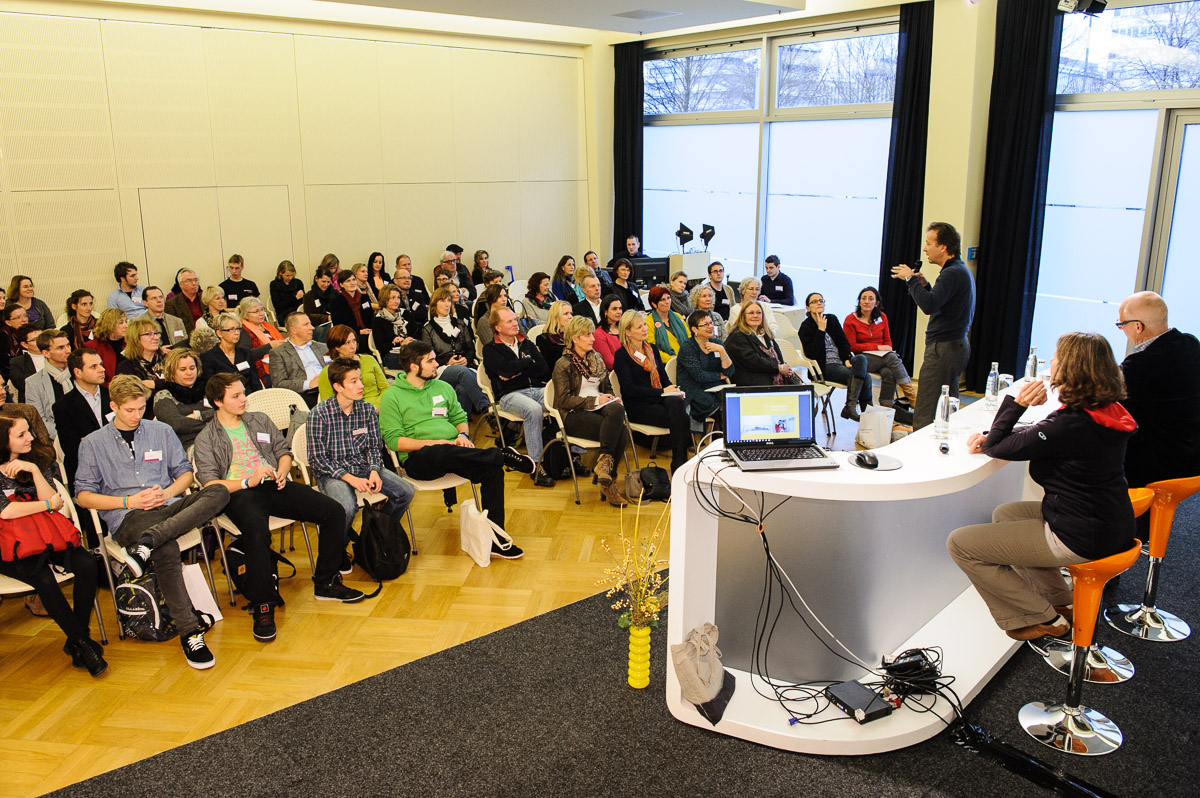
(639,656)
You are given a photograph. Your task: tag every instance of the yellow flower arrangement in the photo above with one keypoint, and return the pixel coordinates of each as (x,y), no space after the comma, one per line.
(635,581)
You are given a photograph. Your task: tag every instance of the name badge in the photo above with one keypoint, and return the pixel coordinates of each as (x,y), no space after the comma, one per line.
(109,415)
(879,320)
(206,404)
(153,456)
(658,324)
(232,297)
(439,412)
(9,493)
(316,303)
(438,399)
(641,358)
(779,289)
(366,304)
(179,333)
(416,306)
(359,431)
(243,366)
(327,359)
(263,437)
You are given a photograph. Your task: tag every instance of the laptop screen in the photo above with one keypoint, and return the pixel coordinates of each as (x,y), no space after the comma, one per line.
(779,414)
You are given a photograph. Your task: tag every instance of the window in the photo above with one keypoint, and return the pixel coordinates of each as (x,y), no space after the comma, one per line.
(710,81)
(861,69)
(1144,48)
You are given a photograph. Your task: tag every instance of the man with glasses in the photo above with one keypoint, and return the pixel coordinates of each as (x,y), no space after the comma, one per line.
(1162,380)
(186,304)
(414,307)
(297,364)
(725,296)
(776,286)
(462,277)
(172,331)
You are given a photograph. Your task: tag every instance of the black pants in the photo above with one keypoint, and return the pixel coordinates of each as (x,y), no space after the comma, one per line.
(943,365)
(669,413)
(484,467)
(606,425)
(250,510)
(73,622)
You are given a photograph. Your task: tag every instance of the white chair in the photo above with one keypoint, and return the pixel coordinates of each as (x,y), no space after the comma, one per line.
(374,352)
(534,332)
(672,367)
(498,413)
(568,440)
(278,403)
(822,389)
(448,482)
(649,430)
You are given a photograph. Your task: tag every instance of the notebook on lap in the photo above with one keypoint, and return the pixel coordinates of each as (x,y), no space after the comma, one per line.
(770,428)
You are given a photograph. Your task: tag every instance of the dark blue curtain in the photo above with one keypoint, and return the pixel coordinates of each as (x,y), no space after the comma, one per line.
(903,225)
(1020,120)
(628,101)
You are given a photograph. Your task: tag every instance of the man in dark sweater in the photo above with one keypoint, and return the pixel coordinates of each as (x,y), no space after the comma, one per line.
(950,303)
(1162,380)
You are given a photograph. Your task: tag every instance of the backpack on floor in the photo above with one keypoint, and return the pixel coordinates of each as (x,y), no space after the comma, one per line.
(382,547)
(141,610)
(555,460)
(237,570)
(650,483)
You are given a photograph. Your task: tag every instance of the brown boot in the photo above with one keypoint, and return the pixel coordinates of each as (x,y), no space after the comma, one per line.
(604,470)
(909,393)
(613,495)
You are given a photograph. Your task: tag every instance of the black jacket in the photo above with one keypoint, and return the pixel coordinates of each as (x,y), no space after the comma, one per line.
(74,421)
(527,371)
(751,365)
(630,298)
(340,312)
(214,361)
(1078,457)
(584,309)
(1163,383)
(283,298)
(21,368)
(812,338)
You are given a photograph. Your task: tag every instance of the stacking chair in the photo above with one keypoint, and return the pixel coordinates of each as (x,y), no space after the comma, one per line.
(649,430)
(300,457)
(533,334)
(570,440)
(500,415)
(822,388)
(448,482)
(672,367)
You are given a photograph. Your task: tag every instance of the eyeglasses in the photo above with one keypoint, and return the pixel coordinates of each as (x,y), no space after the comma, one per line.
(717,271)
(817,302)
(1121,324)
(152,334)
(705,325)
(225,329)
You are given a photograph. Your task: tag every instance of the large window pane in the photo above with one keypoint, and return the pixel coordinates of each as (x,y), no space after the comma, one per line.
(1144,48)
(826,182)
(1181,282)
(1095,211)
(701,174)
(861,69)
(719,81)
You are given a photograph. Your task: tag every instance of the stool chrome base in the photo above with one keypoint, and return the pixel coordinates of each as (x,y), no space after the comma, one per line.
(1080,730)
(1147,623)
(1103,665)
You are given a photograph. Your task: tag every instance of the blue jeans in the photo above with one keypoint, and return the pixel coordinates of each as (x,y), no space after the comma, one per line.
(399,493)
(527,402)
(466,388)
(858,370)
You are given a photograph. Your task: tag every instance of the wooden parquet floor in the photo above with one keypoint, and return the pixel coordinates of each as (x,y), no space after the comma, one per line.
(59,726)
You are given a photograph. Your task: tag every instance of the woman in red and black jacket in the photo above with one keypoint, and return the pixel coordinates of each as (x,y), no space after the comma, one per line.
(867,332)
(1077,454)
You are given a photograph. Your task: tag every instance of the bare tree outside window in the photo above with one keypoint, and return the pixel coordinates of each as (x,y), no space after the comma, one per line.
(860,69)
(719,81)
(1144,48)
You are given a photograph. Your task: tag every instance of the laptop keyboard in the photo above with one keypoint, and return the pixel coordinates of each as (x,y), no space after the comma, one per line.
(782,453)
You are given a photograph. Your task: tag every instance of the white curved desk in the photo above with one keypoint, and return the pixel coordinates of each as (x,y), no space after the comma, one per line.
(867,551)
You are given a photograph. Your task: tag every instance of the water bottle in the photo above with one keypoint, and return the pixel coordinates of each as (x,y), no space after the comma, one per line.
(1031,365)
(992,395)
(941,416)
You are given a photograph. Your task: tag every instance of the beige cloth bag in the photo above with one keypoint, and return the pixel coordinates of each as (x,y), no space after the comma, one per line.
(698,664)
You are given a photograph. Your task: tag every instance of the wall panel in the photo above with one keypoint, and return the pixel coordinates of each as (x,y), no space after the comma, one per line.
(338,83)
(486,91)
(344,220)
(181,229)
(551,118)
(420,222)
(256,223)
(489,217)
(553,224)
(416,114)
(54,104)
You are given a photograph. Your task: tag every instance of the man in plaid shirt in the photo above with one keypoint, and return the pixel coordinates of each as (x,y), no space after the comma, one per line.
(345,448)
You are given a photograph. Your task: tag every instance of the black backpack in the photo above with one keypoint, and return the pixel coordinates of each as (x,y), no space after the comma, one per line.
(382,548)
(237,570)
(555,460)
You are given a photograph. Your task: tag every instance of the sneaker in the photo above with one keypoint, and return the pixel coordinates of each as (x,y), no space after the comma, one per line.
(336,591)
(197,653)
(542,479)
(510,551)
(264,622)
(515,461)
(347,566)
(136,557)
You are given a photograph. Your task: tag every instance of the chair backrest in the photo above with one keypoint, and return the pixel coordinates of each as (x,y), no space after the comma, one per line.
(616,385)
(792,356)
(485,384)
(69,508)
(548,401)
(276,403)
(534,332)
(672,367)
(300,451)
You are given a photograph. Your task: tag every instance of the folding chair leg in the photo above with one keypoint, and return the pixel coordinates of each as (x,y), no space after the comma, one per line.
(412,531)
(499,426)
(112,587)
(574,479)
(224,562)
(632,446)
(100,622)
(304,529)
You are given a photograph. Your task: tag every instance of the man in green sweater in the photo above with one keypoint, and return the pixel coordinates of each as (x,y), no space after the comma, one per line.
(423,422)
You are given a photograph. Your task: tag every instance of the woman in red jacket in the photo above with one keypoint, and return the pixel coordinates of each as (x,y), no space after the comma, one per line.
(867,331)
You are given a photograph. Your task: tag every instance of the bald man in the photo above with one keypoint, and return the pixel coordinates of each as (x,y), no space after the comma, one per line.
(1162,378)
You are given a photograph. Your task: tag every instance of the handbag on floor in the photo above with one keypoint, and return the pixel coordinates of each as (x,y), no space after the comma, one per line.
(237,570)
(477,533)
(875,427)
(703,681)
(650,483)
(381,548)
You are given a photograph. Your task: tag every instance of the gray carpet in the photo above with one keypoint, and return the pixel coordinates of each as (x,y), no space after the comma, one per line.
(541,708)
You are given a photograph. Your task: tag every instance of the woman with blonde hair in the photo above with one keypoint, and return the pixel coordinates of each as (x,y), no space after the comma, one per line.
(703,299)
(646,390)
(108,340)
(180,404)
(757,359)
(287,293)
(143,357)
(583,394)
(228,356)
(213,302)
(751,288)
(550,342)
(258,335)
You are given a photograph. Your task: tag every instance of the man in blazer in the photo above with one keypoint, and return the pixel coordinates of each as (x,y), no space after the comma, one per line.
(82,410)
(297,364)
(26,364)
(172,331)
(589,308)
(49,385)
(185,305)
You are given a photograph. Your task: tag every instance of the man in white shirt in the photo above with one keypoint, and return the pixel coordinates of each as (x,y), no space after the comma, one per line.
(128,295)
(46,387)
(590,306)
(297,364)
(171,329)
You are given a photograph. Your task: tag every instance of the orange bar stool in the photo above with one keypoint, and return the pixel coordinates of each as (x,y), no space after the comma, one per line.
(1104,665)
(1147,621)
(1070,727)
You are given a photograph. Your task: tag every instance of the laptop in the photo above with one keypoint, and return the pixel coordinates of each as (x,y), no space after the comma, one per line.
(770,428)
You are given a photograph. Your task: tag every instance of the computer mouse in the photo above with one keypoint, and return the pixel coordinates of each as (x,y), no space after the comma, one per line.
(867,459)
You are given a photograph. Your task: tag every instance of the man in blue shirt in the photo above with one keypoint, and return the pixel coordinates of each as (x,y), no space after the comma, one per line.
(128,294)
(776,286)
(950,303)
(135,473)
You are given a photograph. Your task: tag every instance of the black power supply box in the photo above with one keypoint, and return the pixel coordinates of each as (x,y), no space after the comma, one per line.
(857,701)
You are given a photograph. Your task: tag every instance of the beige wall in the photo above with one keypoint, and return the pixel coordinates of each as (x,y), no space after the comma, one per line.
(176,141)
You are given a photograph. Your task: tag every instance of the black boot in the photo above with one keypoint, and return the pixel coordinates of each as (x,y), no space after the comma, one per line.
(852,399)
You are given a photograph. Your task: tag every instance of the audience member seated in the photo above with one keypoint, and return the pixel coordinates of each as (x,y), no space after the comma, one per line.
(1162,377)
(287,293)
(23,366)
(756,357)
(725,296)
(462,275)
(10,342)
(443,276)
(825,343)
(562,282)
(343,343)
(297,364)
(227,357)
(259,336)
(389,331)
(142,358)
(351,306)
(424,423)
(750,289)
(246,454)
(319,300)
(171,331)
(538,298)
(49,384)
(377,278)
(82,410)
(43,445)
(701,298)
(360,274)
(624,288)
(236,287)
(646,391)
(493,297)
(202,339)
(608,334)
(413,303)
(127,296)
(550,342)
(109,340)
(592,261)
(80,321)
(702,363)
(37,312)
(453,346)
(589,306)
(518,375)
(583,395)
(481,266)
(867,332)
(777,286)
(1077,455)
(187,304)
(680,303)
(331,266)
(214,303)
(666,327)
(180,403)
(140,499)
(26,493)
